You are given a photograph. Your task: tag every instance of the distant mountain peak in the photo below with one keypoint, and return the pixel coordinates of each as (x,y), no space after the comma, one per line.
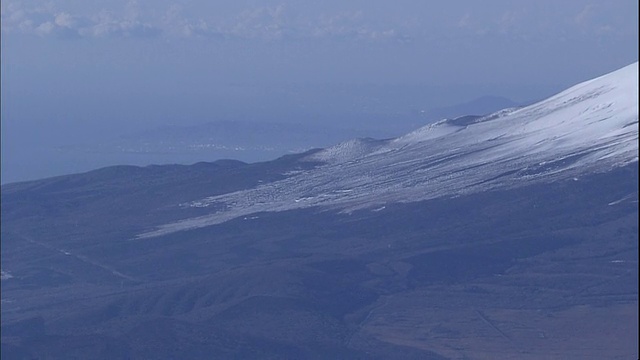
(480,106)
(590,127)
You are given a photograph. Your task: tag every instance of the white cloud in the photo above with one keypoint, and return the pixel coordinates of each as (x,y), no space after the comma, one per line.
(465,21)
(535,22)
(64,19)
(589,23)
(352,25)
(270,23)
(47,21)
(604,29)
(45,28)
(132,10)
(583,17)
(266,22)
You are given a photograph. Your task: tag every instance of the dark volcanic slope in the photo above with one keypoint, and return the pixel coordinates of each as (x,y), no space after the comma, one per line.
(547,270)
(512,236)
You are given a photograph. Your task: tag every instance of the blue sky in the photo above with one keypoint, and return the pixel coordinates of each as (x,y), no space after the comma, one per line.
(74,68)
(156,50)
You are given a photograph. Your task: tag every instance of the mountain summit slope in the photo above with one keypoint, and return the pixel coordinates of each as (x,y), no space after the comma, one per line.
(513,235)
(588,128)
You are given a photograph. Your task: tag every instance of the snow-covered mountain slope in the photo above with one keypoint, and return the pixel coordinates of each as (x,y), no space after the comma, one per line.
(591,127)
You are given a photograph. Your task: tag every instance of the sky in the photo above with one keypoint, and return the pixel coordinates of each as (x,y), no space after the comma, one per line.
(90,69)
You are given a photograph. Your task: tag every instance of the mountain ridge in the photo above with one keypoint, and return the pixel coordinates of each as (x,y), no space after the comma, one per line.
(592,126)
(438,245)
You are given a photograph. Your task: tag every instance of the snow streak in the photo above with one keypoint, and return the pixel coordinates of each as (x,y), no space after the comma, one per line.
(591,127)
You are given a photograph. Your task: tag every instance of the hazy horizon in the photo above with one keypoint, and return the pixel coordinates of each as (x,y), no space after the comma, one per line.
(85,73)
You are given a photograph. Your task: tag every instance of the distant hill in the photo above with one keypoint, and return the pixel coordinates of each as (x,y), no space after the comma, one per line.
(510,235)
(480,106)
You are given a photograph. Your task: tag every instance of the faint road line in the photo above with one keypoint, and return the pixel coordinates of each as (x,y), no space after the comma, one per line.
(361,323)
(490,323)
(82,258)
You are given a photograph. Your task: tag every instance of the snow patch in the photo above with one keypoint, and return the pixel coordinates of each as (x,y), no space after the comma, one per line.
(621,200)
(591,127)
(348,150)
(4,275)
